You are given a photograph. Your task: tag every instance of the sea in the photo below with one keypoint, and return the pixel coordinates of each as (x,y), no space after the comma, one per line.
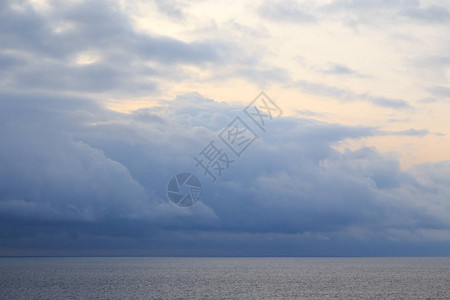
(223,278)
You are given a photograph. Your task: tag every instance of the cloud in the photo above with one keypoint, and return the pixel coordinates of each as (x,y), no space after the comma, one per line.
(263,76)
(397,120)
(337,69)
(387,102)
(308,113)
(376,12)
(408,132)
(100,174)
(172,9)
(285,11)
(430,14)
(77,176)
(348,96)
(440,91)
(52,175)
(119,59)
(92,47)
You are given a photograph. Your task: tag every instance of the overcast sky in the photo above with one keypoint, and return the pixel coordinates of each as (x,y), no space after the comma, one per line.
(102,102)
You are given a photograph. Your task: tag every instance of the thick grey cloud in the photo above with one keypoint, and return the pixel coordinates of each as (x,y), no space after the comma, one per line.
(91,25)
(76,176)
(40,49)
(45,50)
(50,174)
(82,176)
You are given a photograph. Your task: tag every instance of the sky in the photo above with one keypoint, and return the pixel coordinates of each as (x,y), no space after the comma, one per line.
(103,102)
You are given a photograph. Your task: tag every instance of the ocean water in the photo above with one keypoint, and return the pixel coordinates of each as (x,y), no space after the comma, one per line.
(224,278)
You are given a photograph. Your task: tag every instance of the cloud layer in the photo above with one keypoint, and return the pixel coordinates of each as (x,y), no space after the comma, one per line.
(79,178)
(100,173)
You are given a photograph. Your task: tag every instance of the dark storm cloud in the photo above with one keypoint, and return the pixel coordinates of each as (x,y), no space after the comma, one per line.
(100,177)
(49,173)
(76,176)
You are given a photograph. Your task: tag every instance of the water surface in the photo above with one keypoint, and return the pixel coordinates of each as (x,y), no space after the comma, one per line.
(224,278)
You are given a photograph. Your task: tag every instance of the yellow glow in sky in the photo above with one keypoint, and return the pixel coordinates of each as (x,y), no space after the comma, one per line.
(347,59)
